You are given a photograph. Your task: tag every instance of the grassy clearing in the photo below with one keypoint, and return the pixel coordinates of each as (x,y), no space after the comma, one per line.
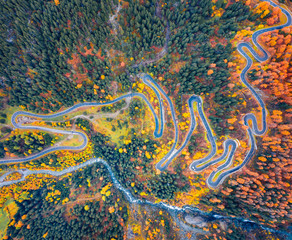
(105,127)
(9,112)
(80,111)
(7,212)
(75,141)
(4,220)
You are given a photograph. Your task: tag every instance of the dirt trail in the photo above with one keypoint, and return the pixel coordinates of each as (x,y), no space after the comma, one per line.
(105,115)
(113,20)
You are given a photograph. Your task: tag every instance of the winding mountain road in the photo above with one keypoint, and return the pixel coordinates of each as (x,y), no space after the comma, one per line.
(230,145)
(252,130)
(157,132)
